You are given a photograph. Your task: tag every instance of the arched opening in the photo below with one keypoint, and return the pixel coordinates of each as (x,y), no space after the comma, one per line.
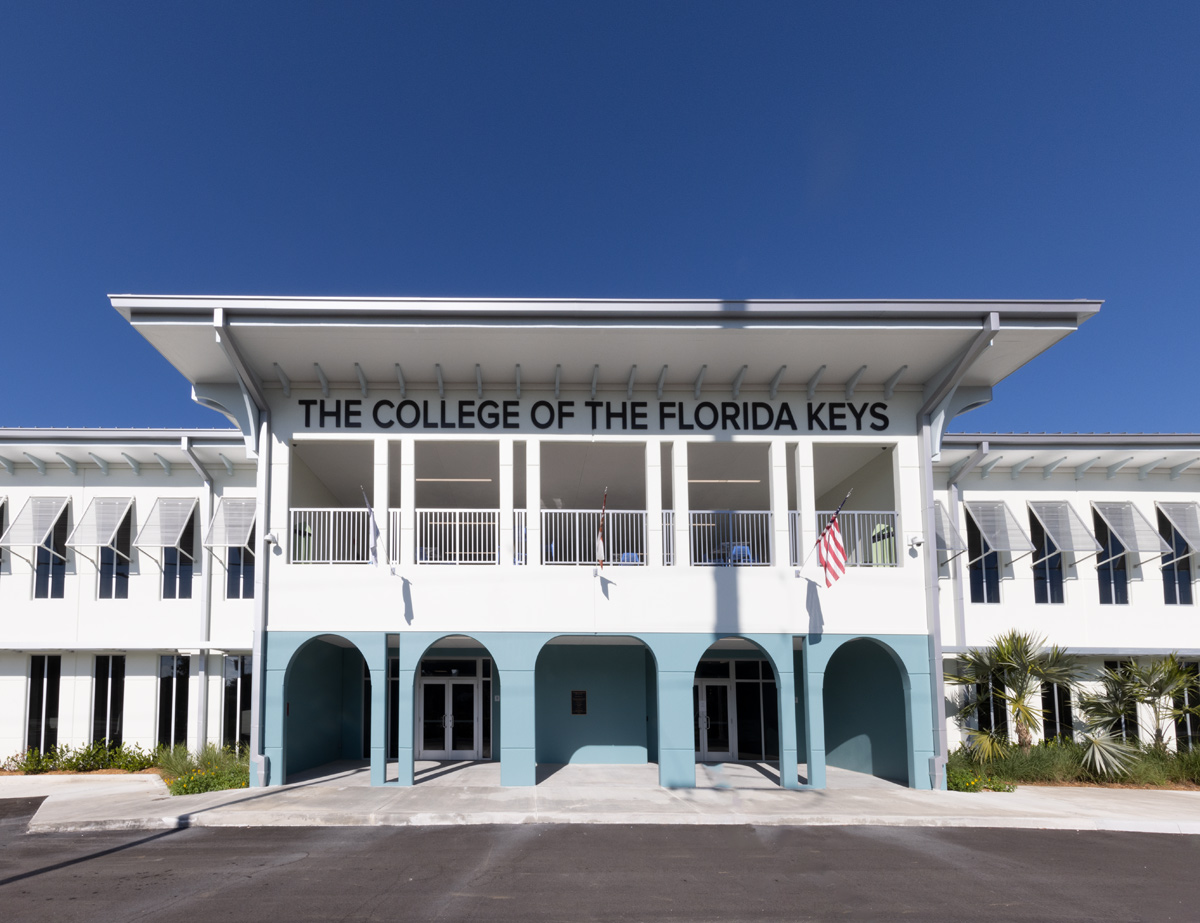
(596,702)
(327,696)
(735,705)
(456,698)
(866,727)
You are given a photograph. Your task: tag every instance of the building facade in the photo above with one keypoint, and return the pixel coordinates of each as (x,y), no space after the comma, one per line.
(546,532)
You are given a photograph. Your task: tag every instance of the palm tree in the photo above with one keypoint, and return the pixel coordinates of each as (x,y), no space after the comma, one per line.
(1164,684)
(1012,669)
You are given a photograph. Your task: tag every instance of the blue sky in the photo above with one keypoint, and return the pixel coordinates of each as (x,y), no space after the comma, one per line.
(725,150)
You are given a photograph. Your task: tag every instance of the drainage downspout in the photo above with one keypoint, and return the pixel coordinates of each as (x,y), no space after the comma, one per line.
(932,413)
(960,618)
(206,504)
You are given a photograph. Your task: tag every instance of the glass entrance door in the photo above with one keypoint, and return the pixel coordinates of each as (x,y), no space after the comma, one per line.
(449,720)
(716,726)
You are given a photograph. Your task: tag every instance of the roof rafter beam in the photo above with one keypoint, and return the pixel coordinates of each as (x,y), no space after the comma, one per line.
(72,465)
(987,469)
(400,380)
(1144,470)
(283,379)
(362,378)
(246,377)
(1020,466)
(595,379)
(437,371)
(100,463)
(557,379)
(185,444)
(228,464)
(1113,469)
(1180,468)
(853,382)
(951,380)
(1049,469)
(166,465)
(1081,470)
(662,380)
(699,381)
(518,376)
(37,463)
(814,381)
(133,463)
(8,464)
(774,388)
(479,381)
(963,468)
(632,376)
(322,378)
(736,388)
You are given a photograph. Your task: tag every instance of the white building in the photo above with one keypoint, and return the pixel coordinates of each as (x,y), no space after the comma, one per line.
(163,586)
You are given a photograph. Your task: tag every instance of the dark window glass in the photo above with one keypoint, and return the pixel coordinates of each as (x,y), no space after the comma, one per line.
(449,667)
(1056,711)
(485,720)
(239,576)
(1187,727)
(993,714)
(235,707)
(983,567)
(366,712)
(44,673)
(173,672)
(749,721)
(179,564)
(114,563)
(393,743)
(713,669)
(50,574)
(1111,570)
(1176,565)
(108,710)
(745,669)
(1128,727)
(1047,565)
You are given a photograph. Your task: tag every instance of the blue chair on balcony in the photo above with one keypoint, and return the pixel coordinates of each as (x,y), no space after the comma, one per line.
(740,554)
(630,557)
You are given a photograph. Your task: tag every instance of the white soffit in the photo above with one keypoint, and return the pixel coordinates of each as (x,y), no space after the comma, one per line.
(232,523)
(165,522)
(999,526)
(98,525)
(1185,517)
(948,539)
(33,524)
(1065,527)
(1133,530)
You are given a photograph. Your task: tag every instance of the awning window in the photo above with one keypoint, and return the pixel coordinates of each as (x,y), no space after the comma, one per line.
(231,525)
(999,527)
(165,523)
(1132,529)
(33,525)
(1185,517)
(1065,527)
(97,527)
(949,542)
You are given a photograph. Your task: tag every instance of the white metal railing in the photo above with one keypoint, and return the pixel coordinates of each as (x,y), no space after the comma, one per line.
(668,533)
(330,536)
(458,536)
(569,536)
(730,537)
(520,538)
(869,536)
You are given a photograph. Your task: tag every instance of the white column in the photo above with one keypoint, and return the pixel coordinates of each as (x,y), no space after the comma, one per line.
(679,494)
(407,501)
(506,501)
(654,536)
(533,502)
(805,499)
(777,472)
(379,497)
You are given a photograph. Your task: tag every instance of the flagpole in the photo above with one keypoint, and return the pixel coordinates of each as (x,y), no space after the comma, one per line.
(820,534)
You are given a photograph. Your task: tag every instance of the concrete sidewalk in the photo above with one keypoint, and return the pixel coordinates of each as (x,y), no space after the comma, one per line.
(458,793)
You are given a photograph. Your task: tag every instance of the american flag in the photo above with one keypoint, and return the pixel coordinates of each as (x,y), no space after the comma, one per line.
(830,551)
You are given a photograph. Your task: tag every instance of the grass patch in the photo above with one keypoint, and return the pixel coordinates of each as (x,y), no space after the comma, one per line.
(210,769)
(1061,762)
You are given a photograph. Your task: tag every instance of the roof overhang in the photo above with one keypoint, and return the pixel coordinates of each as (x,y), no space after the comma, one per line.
(578,342)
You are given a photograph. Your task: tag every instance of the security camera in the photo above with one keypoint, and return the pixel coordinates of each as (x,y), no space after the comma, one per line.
(916,542)
(271,538)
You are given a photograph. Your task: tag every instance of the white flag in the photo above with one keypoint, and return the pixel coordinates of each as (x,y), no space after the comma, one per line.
(374,546)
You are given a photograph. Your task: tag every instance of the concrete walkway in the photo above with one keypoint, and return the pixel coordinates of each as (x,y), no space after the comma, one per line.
(470,793)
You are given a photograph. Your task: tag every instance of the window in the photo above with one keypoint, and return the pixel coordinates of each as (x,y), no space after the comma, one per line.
(1187,727)
(179,563)
(108,710)
(1056,711)
(114,562)
(173,672)
(1111,569)
(1176,565)
(50,571)
(1127,728)
(757,703)
(235,724)
(983,566)
(44,673)
(1047,565)
(993,710)
(239,573)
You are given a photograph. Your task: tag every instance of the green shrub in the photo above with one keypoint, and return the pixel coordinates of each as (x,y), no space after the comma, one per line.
(963,780)
(209,780)
(86,758)
(210,769)
(31,762)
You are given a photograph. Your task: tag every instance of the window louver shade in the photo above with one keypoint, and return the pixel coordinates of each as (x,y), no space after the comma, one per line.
(232,523)
(1132,529)
(1185,517)
(999,526)
(1065,527)
(948,539)
(98,525)
(34,522)
(165,522)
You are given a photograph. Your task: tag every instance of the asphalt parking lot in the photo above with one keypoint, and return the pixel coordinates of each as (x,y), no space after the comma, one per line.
(592,872)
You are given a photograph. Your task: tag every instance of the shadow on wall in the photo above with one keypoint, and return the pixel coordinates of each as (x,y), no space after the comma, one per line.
(865,719)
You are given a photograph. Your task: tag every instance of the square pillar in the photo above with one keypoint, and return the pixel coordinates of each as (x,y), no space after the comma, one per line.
(379,498)
(506,502)
(786,685)
(676,729)
(533,503)
(805,498)
(654,526)
(518,761)
(814,720)
(682,548)
(407,504)
(404,724)
(777,473)
(379,722)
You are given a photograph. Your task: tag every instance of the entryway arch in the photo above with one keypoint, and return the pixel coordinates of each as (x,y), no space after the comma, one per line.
(866,712)
(456,691)
(736,704)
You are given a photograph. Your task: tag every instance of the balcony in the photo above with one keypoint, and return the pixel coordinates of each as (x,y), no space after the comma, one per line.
(569,537)
(730,538)
(868,536)
(329,536)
